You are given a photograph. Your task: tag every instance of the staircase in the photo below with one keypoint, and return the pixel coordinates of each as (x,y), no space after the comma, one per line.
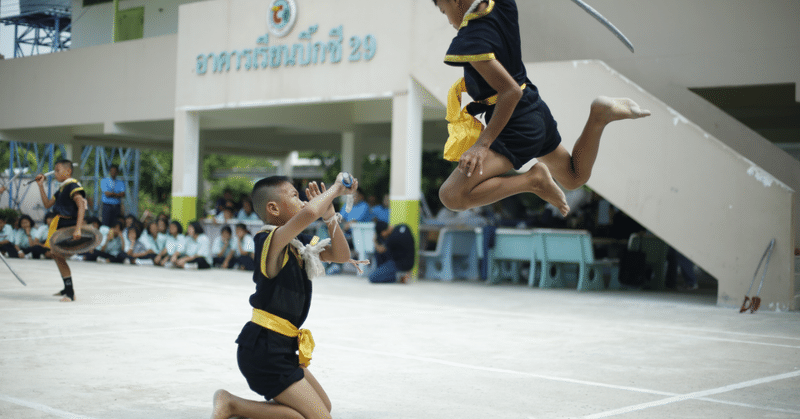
(699,195)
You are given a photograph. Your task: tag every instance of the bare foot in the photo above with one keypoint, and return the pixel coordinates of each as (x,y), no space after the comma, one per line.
(613,109)
(222,405)
(67,299)
(545,187)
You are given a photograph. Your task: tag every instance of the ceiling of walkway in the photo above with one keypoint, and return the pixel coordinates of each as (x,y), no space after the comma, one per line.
(268,131)
(770,110)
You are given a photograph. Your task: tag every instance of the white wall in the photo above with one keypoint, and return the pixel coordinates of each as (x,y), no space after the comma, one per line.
(130,81)
(214,27)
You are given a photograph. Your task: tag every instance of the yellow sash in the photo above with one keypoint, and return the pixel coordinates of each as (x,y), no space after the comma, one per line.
(272,322)
(52,230)
(463,128)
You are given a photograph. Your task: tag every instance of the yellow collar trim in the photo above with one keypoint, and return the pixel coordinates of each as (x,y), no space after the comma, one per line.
(477,15)
(67,182)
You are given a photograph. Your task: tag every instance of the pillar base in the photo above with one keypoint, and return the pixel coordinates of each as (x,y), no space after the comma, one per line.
(184,209)
(407,212)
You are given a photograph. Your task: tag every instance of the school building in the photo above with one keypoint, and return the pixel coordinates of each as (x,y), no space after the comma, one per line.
(714,172)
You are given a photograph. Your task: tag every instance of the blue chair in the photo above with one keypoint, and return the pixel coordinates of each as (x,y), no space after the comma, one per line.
(455,256)
(557,249)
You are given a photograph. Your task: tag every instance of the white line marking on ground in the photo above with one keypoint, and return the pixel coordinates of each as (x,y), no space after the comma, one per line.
(500,370)
(120,332)
(695,395)
(751,406)
(522,316)
(723,339)
(41,408)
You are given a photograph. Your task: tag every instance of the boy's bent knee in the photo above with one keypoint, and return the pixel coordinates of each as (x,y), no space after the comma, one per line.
(450,200)
(574,182)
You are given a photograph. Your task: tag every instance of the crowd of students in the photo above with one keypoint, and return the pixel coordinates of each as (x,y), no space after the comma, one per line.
(154,241)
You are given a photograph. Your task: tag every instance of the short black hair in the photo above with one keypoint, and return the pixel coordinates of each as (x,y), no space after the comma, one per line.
(177,223)
(243,227)
(64,162)
(26,217)
(115,166)
(226,228)
(380,227)
(198,228)
(264,191)
(136,230)
(151,223)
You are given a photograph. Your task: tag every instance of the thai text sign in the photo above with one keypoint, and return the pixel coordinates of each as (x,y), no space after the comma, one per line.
(307,51)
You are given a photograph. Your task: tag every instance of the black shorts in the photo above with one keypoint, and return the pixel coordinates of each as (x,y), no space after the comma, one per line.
(201,262)
(531,132)
(268,360)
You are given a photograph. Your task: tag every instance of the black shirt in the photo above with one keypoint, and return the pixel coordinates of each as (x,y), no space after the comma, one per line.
(288,294)
(400,245)
(65,205)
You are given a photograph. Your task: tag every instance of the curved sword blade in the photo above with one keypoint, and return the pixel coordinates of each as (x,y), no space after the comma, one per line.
(605,23)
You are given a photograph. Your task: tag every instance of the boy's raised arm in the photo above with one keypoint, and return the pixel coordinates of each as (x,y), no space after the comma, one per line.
(47,202)
(319,206)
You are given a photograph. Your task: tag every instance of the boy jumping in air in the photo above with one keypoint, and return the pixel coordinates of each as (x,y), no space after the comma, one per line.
(519,126)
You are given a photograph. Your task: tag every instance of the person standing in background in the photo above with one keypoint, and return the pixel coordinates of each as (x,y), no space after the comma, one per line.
(113,190)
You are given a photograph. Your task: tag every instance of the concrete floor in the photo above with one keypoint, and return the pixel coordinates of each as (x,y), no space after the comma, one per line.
(146,342)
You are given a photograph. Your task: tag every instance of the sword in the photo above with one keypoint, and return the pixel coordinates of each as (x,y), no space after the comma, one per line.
(595,14)
(12,271)
(50,173)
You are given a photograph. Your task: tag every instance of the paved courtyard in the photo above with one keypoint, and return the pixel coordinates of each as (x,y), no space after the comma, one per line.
(146,342)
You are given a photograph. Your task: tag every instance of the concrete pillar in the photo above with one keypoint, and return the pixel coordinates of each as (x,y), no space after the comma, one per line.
(185,166)
(348,152)
(287,165)
(73,150)
(405,184)
(348,157)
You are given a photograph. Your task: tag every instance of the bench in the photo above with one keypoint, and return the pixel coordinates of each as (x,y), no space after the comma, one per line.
(514,246)
(363,235)
(455,255)
(553,250)
(558,248)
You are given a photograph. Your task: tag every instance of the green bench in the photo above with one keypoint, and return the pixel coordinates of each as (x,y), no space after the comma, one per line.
(554,251)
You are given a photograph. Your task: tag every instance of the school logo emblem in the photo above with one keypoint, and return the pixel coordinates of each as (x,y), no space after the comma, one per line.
(281,17)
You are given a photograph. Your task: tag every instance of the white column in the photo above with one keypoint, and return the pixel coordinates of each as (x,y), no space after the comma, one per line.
(348,152)
(406,172)
(287,165)
(185,166)
(73,150)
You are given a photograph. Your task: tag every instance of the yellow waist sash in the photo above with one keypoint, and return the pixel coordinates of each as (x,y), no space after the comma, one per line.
(305,341)
(463,128)
(51,230)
